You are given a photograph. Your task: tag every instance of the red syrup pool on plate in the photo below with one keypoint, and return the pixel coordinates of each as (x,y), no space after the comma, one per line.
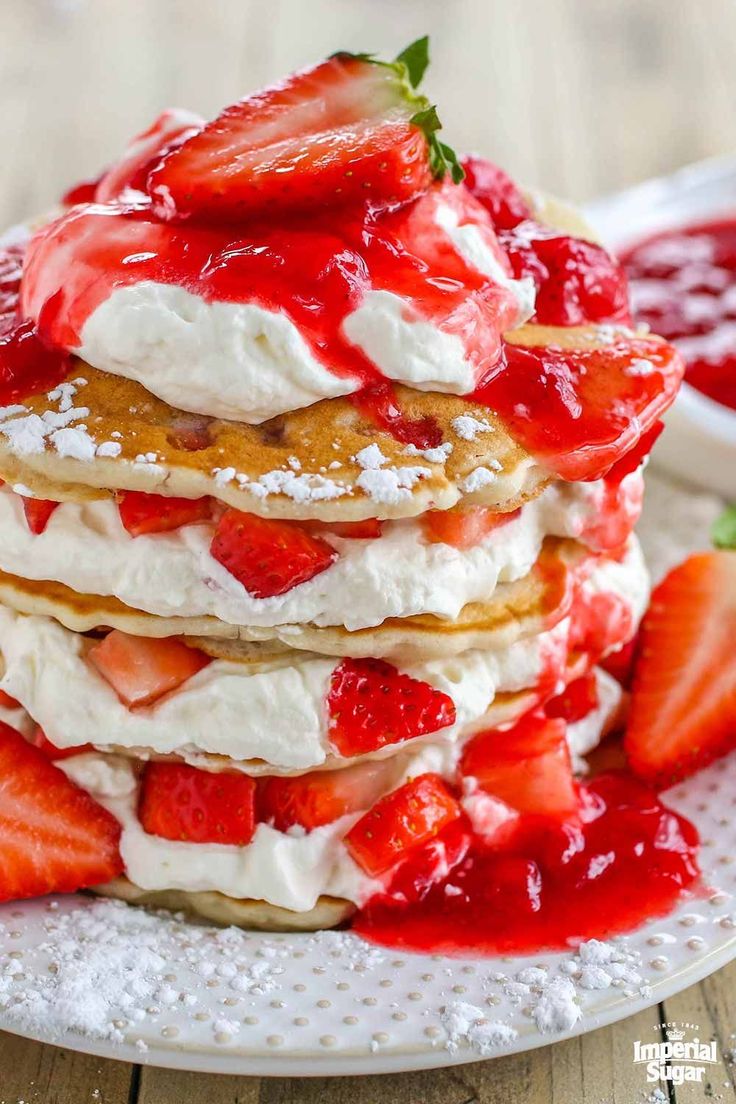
(683,284)
(550,885)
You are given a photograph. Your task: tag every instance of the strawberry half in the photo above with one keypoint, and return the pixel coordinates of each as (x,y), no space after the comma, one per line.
(527,766)
(38,511)
(319,797)
(141,669)
(267,556)
(151,513)
(683,700)
(463,528)
(372,704)
(179,802)
(349,131)
(400,822)
(53,837)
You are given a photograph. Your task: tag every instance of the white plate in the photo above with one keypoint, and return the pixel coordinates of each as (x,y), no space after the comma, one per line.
(699,443)
(236,1002)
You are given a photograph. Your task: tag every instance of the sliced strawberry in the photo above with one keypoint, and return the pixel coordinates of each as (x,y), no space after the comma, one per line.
(6,702)
(141,669)
(369,529)
(401,821)
(372,704)
(179,802)
(497,192)
(683,701)
(463,528)
(319,797)
(267,556)
(577,700)
(527,766)
(82,192)
(151,513)
(38,511)
(145,151)
(349,131)
(41,741)
(53,837)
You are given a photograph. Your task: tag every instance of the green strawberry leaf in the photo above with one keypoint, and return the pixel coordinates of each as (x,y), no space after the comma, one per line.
(442,159)
(416,59)
(723,532)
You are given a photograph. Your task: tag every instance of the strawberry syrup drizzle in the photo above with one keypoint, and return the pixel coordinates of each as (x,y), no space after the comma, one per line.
(683,284)
(549,885)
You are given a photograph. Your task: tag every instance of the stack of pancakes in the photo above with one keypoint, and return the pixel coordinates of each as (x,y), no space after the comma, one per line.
(496,628)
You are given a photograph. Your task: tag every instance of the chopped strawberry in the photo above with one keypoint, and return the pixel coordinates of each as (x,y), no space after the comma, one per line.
(372,704)
(41,741)
(53,837)
(496,191)
(151,513)
(635,457)
(320,797)
(6,702)
(268,556)
(82,192)
(179,802)
(463,528)
(683,700)
(527,766)
(38,511)
(369,529)
(349,131)
(142,669)
(401,821)
(620,664)
(576,701)
(576,280)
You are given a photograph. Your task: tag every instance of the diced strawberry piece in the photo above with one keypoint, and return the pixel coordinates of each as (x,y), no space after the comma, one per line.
(319,797)
(53,837)
(369,529)
(6,702)
(576,701)
(683,700)
(348,131)
(179,802)
(372,704)
(463,528)
(142,669)
(620,664)
(635,457)
(151,513)
(144,152)
(38,511)
(576,281)
(268,556)
(82,192)
(401,821)
(527,766)
(41,741)
(497,192)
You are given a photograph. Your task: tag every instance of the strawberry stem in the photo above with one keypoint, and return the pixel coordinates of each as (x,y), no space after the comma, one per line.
(723,532)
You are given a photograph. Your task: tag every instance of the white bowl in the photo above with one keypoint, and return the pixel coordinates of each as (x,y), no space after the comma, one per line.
(699,442)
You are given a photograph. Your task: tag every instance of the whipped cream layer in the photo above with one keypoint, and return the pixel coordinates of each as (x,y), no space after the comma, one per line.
(254,327)
(399,574)
(275,716)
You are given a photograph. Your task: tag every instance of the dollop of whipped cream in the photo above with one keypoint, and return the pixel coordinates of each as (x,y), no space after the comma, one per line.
(399,574)
(249,325)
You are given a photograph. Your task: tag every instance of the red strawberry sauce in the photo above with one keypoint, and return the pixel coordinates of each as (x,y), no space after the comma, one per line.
(551,884)
(683,284)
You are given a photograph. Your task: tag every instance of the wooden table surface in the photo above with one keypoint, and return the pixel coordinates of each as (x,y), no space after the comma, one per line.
(577,96)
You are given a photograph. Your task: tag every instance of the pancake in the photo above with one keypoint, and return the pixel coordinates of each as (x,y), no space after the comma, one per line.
(329,912)
(516,609)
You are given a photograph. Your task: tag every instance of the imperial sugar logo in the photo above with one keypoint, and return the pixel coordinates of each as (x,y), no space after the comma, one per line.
(680,1057)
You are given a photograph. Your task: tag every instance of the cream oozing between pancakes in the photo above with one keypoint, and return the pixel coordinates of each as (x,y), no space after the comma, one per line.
(399,574)
(276,714)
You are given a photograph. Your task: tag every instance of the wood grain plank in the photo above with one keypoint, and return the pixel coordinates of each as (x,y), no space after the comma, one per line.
(428,1087)
(37,1074)
(159,1086)
(712,1006)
